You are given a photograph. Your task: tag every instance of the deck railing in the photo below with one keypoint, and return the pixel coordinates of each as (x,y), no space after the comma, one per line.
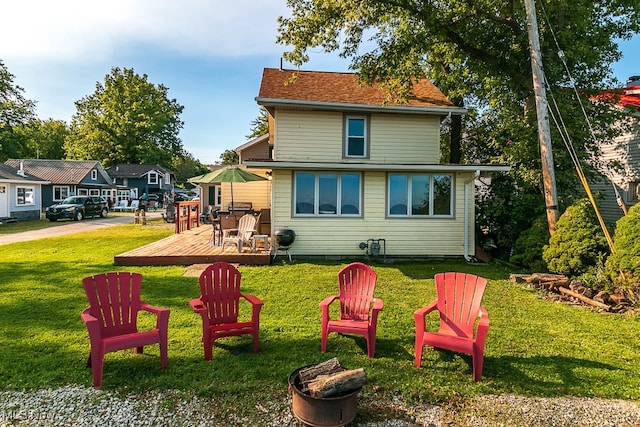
(187,215)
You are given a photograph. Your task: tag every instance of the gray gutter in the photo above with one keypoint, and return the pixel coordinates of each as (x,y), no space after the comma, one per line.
(342,106)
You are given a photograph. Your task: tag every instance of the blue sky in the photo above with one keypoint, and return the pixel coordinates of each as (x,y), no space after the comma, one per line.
(209,53)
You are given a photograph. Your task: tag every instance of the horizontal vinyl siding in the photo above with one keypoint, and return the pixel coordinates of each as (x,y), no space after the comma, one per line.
(255,192)
(405,139)
(341,237)
(305,136)
(625,150)
(393,138)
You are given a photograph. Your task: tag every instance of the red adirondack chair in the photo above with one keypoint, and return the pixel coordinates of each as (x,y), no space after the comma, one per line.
(358,308)
(111,319)
(219,306)
(459,304)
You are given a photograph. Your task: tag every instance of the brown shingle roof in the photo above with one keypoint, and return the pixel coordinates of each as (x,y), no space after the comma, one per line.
(341,88)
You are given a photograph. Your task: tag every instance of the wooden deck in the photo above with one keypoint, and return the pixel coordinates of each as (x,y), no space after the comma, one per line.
(190,247)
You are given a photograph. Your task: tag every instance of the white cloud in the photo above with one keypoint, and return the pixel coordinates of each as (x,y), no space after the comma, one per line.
(92,30)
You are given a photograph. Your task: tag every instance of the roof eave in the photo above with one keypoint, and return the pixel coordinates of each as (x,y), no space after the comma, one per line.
(393,167)
(252,142)
(342,106)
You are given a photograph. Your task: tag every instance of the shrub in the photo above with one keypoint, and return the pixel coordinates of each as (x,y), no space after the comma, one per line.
(527,251)
(578,241)
(623,266)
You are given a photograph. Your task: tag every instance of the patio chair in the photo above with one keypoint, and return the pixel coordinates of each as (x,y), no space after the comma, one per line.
(111,319)
(459,306)
(122,205)
(358,308)
(170,215)
(240,236)
(219,306)
(204,215)
(216,231)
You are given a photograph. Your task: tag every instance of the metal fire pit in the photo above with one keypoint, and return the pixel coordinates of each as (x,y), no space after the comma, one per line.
(320,411)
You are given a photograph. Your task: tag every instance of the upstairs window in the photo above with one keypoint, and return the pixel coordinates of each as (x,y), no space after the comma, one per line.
(356,136)
(94,174)
(420,195)
(167,179)
(153,178)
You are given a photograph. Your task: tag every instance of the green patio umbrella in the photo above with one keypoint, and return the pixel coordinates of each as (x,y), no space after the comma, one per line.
(230,174)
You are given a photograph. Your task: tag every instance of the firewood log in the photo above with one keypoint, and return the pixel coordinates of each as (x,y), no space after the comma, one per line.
(338,384)
(582,298)
(328,367)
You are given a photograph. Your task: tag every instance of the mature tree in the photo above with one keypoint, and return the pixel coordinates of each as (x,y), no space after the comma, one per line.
(229,157)
(186,167)
(44,139)
(477,53)
(126,120)
(259,125)
(15,112)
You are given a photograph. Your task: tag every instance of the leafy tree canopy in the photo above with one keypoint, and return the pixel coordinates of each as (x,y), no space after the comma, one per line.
(44,139)
(259,125)
(186,167)
(15,112)
(477,53)
(229,157)
(126,120)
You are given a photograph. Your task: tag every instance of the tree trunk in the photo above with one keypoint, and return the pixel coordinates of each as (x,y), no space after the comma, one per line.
(455,153)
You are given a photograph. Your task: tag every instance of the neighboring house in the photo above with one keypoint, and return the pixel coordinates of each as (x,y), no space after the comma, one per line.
(135,180)
(350,167)
(67,178)
(625,150)
(210,193)
(257,193)
(20,194)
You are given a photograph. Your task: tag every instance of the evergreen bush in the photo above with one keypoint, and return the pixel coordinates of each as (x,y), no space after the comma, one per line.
(577,243)
(527,251)
(623,266)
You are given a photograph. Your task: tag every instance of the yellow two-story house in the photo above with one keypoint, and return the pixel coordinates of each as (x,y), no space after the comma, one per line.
(350,168)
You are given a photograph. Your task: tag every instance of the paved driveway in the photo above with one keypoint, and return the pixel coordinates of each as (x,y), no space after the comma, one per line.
(70,228)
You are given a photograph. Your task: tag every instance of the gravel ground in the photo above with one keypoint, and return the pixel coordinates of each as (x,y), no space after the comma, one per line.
(81,406)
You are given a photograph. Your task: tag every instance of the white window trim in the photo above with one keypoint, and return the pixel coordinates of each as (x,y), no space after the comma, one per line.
(155,180)
(345,144)
(27,190)
(409,213)
(94,175)
(316,197)
(61,189)
(167,179)
(217,194)
(633,194)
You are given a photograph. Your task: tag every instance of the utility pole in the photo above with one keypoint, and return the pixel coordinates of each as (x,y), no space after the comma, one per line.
(544,133)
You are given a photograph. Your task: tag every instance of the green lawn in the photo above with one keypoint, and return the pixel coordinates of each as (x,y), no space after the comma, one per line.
(535,347)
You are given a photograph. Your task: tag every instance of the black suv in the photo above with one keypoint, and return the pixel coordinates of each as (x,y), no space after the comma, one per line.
(78,207)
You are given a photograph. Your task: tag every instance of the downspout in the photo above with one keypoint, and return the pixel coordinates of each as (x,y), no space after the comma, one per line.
(467,194)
